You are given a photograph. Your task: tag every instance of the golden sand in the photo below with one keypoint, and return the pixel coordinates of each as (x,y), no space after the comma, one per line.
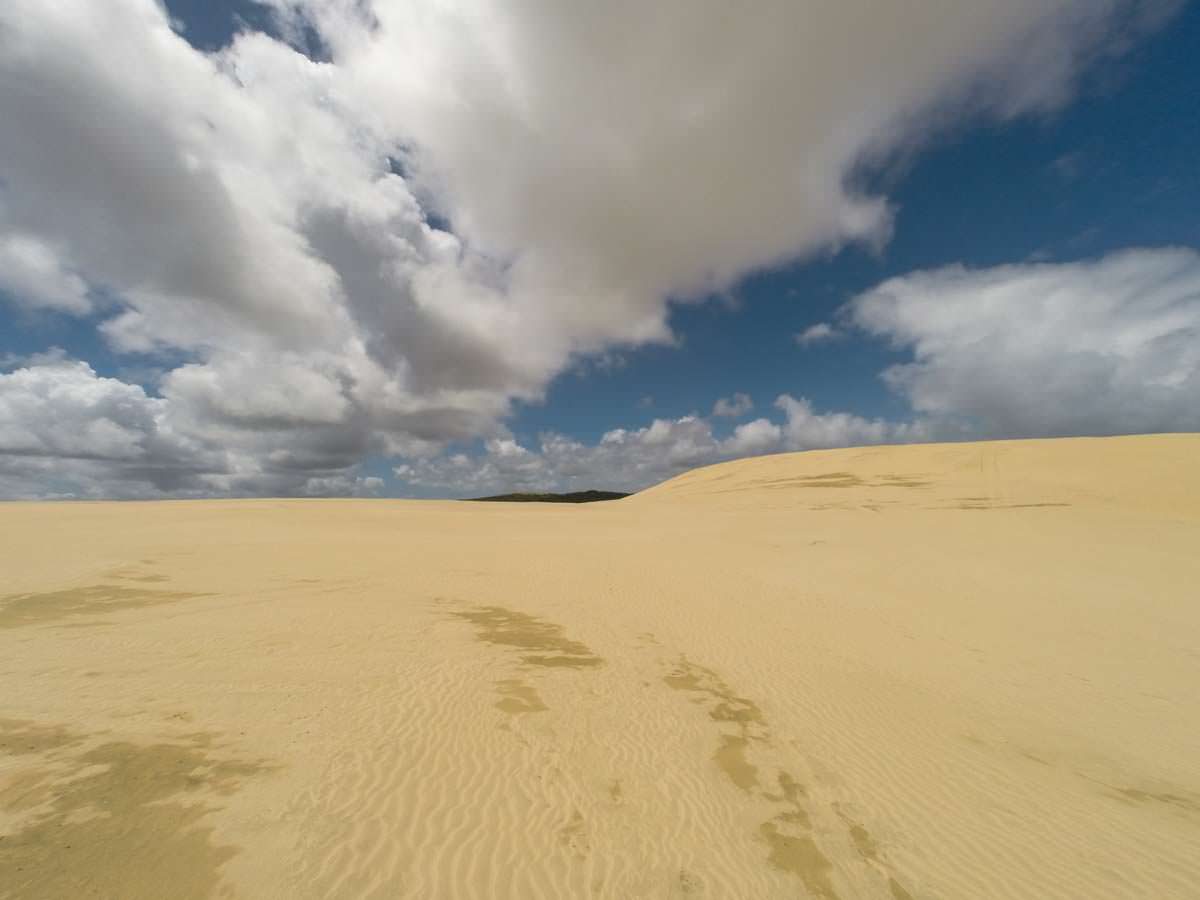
(944,671)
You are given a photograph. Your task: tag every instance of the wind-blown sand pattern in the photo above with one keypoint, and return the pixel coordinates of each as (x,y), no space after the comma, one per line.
(903,672)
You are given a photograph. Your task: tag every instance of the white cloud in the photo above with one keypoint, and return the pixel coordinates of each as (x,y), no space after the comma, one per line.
(343,486)
(240,209)
(820,333)
(809,430)
(63,409)
(630,459)
(1098,347)
(618,155)
(64,430)
(733,407)
(246,390)
(32,275)
(753,438)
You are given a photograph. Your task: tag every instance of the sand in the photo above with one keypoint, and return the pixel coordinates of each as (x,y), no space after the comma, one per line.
(930,671)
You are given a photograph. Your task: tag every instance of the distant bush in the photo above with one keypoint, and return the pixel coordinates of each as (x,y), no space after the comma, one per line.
(577,497)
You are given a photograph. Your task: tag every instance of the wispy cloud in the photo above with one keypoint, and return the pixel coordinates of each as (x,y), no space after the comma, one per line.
(820,333)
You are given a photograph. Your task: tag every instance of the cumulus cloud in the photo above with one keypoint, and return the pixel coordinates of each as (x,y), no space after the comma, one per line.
(280,222)
(1096,347)
(733,407)
(66,431)
(612,130)
(343,486)
(629,459)
(1107,346)
(61,408)
(809,430)
(753,438)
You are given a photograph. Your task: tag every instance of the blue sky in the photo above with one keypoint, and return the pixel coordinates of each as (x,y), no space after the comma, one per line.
(1030,196)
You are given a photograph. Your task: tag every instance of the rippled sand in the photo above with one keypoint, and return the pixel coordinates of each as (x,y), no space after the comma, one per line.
(940,671)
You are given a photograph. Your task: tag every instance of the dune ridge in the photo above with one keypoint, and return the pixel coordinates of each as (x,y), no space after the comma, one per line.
(958,670)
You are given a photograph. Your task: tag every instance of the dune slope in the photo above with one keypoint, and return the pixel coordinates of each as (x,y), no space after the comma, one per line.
(930,671)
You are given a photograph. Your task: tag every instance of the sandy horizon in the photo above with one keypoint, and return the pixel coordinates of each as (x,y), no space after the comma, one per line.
(923,671)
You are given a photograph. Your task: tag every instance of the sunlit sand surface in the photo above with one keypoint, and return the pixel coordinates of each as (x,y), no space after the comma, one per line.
(936,671)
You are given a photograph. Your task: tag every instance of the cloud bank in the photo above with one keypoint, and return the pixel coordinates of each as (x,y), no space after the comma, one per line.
(382,250)
(629,459)
(1108,346)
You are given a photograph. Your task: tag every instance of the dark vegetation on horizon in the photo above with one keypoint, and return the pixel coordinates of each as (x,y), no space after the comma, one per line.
(577,497)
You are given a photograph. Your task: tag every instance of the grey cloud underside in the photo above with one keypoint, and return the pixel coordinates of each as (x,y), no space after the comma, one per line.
(240,209)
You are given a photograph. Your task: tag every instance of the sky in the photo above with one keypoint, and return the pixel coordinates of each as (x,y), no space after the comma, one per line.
(439,248)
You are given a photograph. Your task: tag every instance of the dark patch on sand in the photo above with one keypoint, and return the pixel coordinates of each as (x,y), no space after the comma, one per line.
(517,698)
(789,834)
(543,642)
(18,610)
(118,819)
(540,644)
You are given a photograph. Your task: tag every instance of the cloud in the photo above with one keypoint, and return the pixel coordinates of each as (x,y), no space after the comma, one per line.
(572,140)
(32,275)
(278,223)
(343,486)
(245,391)
(1107,346)
(1097,347)
(630,459)
(753,438)
(733,407)
(66,431)
(63,409)
(809,430)
(820,333)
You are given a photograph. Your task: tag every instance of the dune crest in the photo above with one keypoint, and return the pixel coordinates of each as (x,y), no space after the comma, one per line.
(958,670)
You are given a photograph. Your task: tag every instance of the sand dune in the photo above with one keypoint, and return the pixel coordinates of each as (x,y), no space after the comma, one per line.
(932,671)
